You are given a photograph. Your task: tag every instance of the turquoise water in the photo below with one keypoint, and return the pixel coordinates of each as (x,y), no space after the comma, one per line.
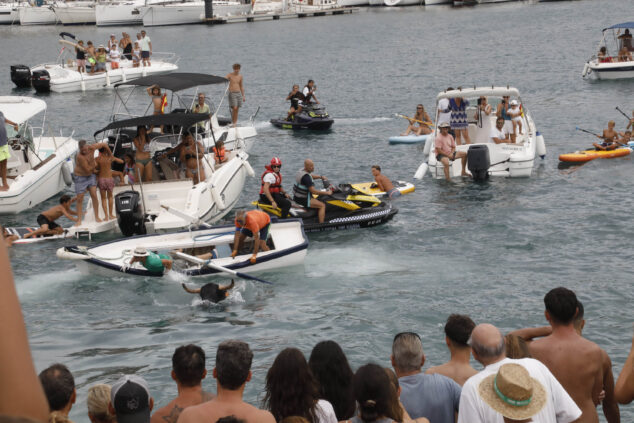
(488,250)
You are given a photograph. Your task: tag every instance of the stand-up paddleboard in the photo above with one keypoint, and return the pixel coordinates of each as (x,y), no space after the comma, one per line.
(587,155)
(21,231)
(408,139)
(366,188)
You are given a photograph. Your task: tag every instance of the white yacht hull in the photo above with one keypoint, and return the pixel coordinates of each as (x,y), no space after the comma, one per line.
(9,14)
(187,13)
(118,14)
(75,15)
(611,70)
(402,2)
(353,3)
(37,15)
(433,2)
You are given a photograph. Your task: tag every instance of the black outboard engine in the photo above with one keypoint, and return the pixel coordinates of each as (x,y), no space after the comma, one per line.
(21,76)
(130,217)
(41,80)
(478,162)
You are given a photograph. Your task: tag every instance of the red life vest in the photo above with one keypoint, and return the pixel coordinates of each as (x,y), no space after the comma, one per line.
(277,186)
(219,155)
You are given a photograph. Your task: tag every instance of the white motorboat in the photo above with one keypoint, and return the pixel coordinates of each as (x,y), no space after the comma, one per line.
(287,242)
(353,3)
(212,130)
(403,2)
(613,65)
(268,6)
(62,75)
(190,12)
(170,201)
(40,165)
(119,13)
(484,157)
(75,12)
(434,2)
(300,6)
(9,13)
(37,15)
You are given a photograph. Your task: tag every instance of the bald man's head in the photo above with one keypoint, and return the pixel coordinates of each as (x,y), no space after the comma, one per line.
(309,165)
(487,343)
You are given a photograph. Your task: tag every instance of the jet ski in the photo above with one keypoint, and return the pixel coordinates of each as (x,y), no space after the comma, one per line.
(346,208)
(313,117)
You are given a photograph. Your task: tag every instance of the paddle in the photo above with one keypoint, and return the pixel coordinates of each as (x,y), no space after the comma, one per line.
(589,132)
(623,113)
(208,263)
(414,120)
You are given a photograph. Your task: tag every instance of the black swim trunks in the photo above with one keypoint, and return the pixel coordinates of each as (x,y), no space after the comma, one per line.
(440,156)
(43,220)
(212,292)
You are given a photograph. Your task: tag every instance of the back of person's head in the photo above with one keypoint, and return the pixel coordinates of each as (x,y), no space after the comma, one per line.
(458,329)
(487,342)
(59,386)
(188,364)
(373,391)
(64,199)
(516,347)
(291,389)
(97,403)
(233,364)
(230,419)
(407,351)
(294,419)
(333,374)
(561,304)
(130,400)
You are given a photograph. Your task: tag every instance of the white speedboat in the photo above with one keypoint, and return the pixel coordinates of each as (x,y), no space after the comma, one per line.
(37,15)
(268,6)
(485,158)
(40,165)
(212,130)
(287,242)
(434,2)
(403,2)
(190,12)
(75,12)
(9,13)
(612,65)
(119,13)
(170,201)
(62,75)
(300,6)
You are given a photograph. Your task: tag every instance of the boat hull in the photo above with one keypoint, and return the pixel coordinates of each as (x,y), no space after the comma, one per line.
(408,139)
(611,70)
(76,15)
(587,155)
(37,15)
(118,15)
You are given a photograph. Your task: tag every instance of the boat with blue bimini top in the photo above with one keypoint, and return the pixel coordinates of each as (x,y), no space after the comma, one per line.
(199,252)
(614,57)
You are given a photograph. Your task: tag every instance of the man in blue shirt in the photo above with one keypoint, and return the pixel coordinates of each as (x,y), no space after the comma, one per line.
(304,189)
(433,396)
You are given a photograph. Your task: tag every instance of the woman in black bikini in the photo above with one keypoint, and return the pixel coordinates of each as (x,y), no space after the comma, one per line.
(142,157)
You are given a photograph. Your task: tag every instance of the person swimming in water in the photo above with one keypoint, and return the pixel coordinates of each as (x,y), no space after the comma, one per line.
(211,292)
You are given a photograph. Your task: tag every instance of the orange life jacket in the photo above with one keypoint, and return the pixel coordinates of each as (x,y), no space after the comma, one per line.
(277,186)
(219,155)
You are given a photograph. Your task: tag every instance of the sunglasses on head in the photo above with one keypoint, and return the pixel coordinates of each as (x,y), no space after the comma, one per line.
(401,334)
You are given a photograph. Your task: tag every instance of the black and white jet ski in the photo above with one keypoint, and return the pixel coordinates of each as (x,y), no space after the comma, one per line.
(313,117)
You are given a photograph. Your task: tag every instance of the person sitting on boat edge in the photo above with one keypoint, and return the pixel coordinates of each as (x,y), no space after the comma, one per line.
(271,191)
(419,124)
(603,55)
(5,152)
(383,183)
(296,98)
(499,134)
(609,138)
(304,189)
(211,292)
(446,150)
(256,224)
(47,218)
(625,55)
(153,262)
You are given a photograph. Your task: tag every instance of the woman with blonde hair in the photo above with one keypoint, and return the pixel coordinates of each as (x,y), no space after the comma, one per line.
(97,403)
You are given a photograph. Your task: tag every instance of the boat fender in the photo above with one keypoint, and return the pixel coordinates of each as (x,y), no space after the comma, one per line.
(217,198)
(82,85)
(66,174)
(107,79)
(123,78)
(541,145)
(427,147)
(250,171)
(586,70)
(64,254)
(421,171)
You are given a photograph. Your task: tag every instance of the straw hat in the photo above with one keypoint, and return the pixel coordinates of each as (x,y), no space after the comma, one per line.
(140,252)
(513,393)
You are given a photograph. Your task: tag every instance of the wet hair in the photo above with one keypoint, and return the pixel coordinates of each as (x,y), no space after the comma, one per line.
(458,329)
(450,89)
(372,390)
(291,389)
(97,403)
(188,363)
(230,419)
(377,167)
(64,199)
(333,374)
(407,350)
(236,66)
(58,384)
(516,347)
(396,411)
(81,143)
(561,303)
(233,363)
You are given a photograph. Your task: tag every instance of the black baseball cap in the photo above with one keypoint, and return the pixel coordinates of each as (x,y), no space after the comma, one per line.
(130,397)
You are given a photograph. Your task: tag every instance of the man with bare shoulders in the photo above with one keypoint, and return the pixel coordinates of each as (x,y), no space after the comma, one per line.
(383,183)
(457,332)
(579,365)
(85,177)
(188,371)
(609,137)
(236,92)
(232,372)
(47,219)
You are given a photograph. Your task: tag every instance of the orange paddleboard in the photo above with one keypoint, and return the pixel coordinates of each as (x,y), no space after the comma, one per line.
(587,155)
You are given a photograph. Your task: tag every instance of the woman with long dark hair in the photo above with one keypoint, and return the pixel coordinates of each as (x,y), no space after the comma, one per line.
(291,390)
(334,377)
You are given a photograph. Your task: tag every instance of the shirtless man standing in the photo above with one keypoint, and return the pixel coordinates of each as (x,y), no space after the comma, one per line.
(85,179)
(383,183)
(236,92)
(582,368)
(457,333)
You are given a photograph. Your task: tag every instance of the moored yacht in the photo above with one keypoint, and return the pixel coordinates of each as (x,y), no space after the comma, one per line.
(614,59)
(190,12)
(115,13)
(37,15)
(75,12)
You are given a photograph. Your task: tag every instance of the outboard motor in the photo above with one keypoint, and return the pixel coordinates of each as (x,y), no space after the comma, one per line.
(21,76)
(41,80)
(478,162)
(130,217)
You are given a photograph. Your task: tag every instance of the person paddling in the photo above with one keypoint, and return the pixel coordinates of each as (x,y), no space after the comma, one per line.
(419,124)
(609,138)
